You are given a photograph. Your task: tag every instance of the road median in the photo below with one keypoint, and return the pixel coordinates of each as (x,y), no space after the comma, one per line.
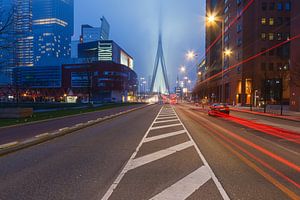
(43,137)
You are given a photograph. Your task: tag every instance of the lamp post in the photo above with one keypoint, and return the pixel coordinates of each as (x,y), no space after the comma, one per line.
(227,53)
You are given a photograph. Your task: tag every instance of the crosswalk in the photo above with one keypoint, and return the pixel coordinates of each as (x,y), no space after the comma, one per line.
(163,145)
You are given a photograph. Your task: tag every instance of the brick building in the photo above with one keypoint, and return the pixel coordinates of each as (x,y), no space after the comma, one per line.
(250,28)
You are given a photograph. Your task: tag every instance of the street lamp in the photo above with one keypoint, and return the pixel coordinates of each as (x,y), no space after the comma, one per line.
(182,69)
(212,18)
(190,55)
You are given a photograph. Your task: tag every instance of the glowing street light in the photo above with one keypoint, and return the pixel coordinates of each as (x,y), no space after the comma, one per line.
(182,69)
(211,18)
(227,52)
(190,55)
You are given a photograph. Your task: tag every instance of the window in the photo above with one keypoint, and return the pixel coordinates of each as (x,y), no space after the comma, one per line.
(288,6)
(279,66)
(279,6)
(263,36)
(226,9)
(264,6)
(271,21)
(239,41)
(238,2)
(279,36)
(272,6)
(238,28)
(263,21)
(271,36)
(271,53)
(226,38)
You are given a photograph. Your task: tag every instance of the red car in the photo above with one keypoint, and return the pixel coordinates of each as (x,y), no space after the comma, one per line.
(218,109)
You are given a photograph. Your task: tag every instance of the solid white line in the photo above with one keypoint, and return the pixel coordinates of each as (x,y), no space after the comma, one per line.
(123,172)
(214,178)
(166,126)
(150,139)
(158,155)
(186,186)
(171,120)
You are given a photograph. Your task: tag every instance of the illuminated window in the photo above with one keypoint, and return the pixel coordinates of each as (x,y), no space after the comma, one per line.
(271,36)
(263,36)
(263,21)
(271,21)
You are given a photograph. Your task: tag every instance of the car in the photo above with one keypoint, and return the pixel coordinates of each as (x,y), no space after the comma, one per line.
(218,108)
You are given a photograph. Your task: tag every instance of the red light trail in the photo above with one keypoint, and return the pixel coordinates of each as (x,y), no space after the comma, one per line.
(223,32)
(274,131)
(253,156)
(250,58)
(221,134)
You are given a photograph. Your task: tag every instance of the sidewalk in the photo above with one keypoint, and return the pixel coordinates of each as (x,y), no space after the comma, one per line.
(275,113)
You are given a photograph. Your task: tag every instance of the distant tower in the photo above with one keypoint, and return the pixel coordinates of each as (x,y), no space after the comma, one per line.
(160,59)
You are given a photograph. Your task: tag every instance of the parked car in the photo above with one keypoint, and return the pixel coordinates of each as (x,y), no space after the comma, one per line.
(218,108)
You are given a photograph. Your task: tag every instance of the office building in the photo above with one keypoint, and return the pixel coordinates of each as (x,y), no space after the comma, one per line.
(249,32)
(104,51)
(17,38)
(91,34)
(53,27)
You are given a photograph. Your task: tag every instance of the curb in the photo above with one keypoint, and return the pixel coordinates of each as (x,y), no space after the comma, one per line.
(272,116)
(50,119)
(41,138)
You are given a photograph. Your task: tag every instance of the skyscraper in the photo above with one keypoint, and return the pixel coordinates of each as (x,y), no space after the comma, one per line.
(17,38)
(53,27)
(92,34)
(40,31)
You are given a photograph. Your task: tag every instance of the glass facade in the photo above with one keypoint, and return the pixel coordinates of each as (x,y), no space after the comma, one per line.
(16,39)
(53,27)
(38,77)
(90,34)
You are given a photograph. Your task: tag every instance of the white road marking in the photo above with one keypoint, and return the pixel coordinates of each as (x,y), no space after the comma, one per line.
(157,155)
(150,139)
(186,186)
(165,126)
(170,120)
(214,178)
(174,117)
(123,172)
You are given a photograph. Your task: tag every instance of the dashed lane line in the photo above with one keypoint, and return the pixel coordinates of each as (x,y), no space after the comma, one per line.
(186,186)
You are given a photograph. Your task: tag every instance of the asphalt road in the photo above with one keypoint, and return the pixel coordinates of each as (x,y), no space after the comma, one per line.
(21,132)
(156,153)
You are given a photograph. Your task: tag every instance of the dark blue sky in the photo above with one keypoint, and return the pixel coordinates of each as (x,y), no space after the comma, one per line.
(135,25)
